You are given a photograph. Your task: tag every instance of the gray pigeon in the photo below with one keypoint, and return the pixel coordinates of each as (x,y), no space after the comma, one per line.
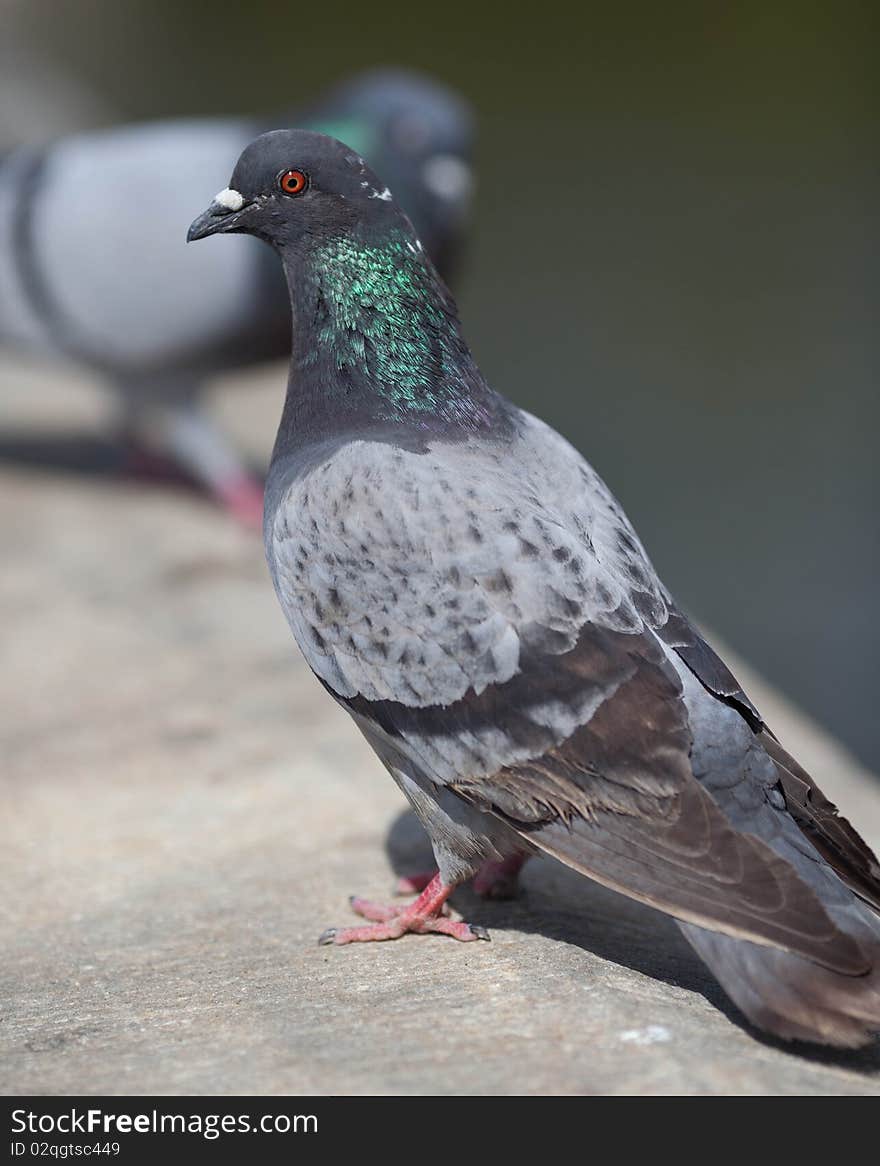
(466,586)
(92,267)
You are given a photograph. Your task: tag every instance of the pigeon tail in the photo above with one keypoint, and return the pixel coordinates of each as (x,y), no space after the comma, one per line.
(819,820)
(791,997)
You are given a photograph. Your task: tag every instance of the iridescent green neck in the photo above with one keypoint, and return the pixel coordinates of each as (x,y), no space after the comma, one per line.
(382,318)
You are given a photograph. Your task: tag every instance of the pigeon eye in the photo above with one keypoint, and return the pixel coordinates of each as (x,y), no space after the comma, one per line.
(293,181)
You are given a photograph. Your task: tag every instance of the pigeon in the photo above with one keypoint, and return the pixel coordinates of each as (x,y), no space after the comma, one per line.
(465,585)
(92,267)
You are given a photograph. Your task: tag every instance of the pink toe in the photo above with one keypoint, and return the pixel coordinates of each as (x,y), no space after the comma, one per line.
(378,912)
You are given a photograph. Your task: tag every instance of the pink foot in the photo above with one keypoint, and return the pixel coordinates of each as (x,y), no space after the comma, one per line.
(428,915)
(499,880)
(242,497)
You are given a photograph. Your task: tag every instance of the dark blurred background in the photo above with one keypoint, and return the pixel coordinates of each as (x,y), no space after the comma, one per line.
(674,259)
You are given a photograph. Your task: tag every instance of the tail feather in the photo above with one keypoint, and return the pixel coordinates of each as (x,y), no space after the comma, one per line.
(784,993)
(819,820)
(763,792)
(791,997)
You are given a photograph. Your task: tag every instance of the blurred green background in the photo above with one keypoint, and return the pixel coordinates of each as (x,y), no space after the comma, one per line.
(673,259)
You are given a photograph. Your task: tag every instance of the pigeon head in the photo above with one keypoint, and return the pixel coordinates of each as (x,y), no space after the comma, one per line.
(290,185)
(376,334)
(396,112)
(418,134)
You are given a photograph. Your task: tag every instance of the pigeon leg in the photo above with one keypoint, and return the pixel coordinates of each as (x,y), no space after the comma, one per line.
(427,915)
(494,880)
(206,454)
(499,880)
(178,442)
(145,465)
(413,884)
(143,462)
(142,432)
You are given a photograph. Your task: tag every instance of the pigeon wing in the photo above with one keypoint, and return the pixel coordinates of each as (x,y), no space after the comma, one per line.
(845,851)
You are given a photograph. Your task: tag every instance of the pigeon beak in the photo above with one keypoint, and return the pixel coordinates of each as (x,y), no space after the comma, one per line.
(224,214)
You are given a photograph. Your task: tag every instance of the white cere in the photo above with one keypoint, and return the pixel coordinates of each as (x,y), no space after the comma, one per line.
(385,194)
(230,200)
(448,177)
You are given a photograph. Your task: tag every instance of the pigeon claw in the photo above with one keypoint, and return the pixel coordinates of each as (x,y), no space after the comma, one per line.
(427,915)
(394,928)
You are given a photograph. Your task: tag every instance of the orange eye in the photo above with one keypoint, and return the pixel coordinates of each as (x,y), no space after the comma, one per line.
(293,181)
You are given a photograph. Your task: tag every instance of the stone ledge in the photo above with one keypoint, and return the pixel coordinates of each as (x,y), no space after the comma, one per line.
(186,812)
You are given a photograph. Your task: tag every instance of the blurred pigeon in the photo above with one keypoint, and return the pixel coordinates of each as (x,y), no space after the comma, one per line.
(466,586)
(92,267)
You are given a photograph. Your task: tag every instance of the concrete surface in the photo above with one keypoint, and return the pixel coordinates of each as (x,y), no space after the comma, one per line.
(185,811)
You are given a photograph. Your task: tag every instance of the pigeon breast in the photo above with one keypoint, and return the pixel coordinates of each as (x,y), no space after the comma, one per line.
(416,577)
